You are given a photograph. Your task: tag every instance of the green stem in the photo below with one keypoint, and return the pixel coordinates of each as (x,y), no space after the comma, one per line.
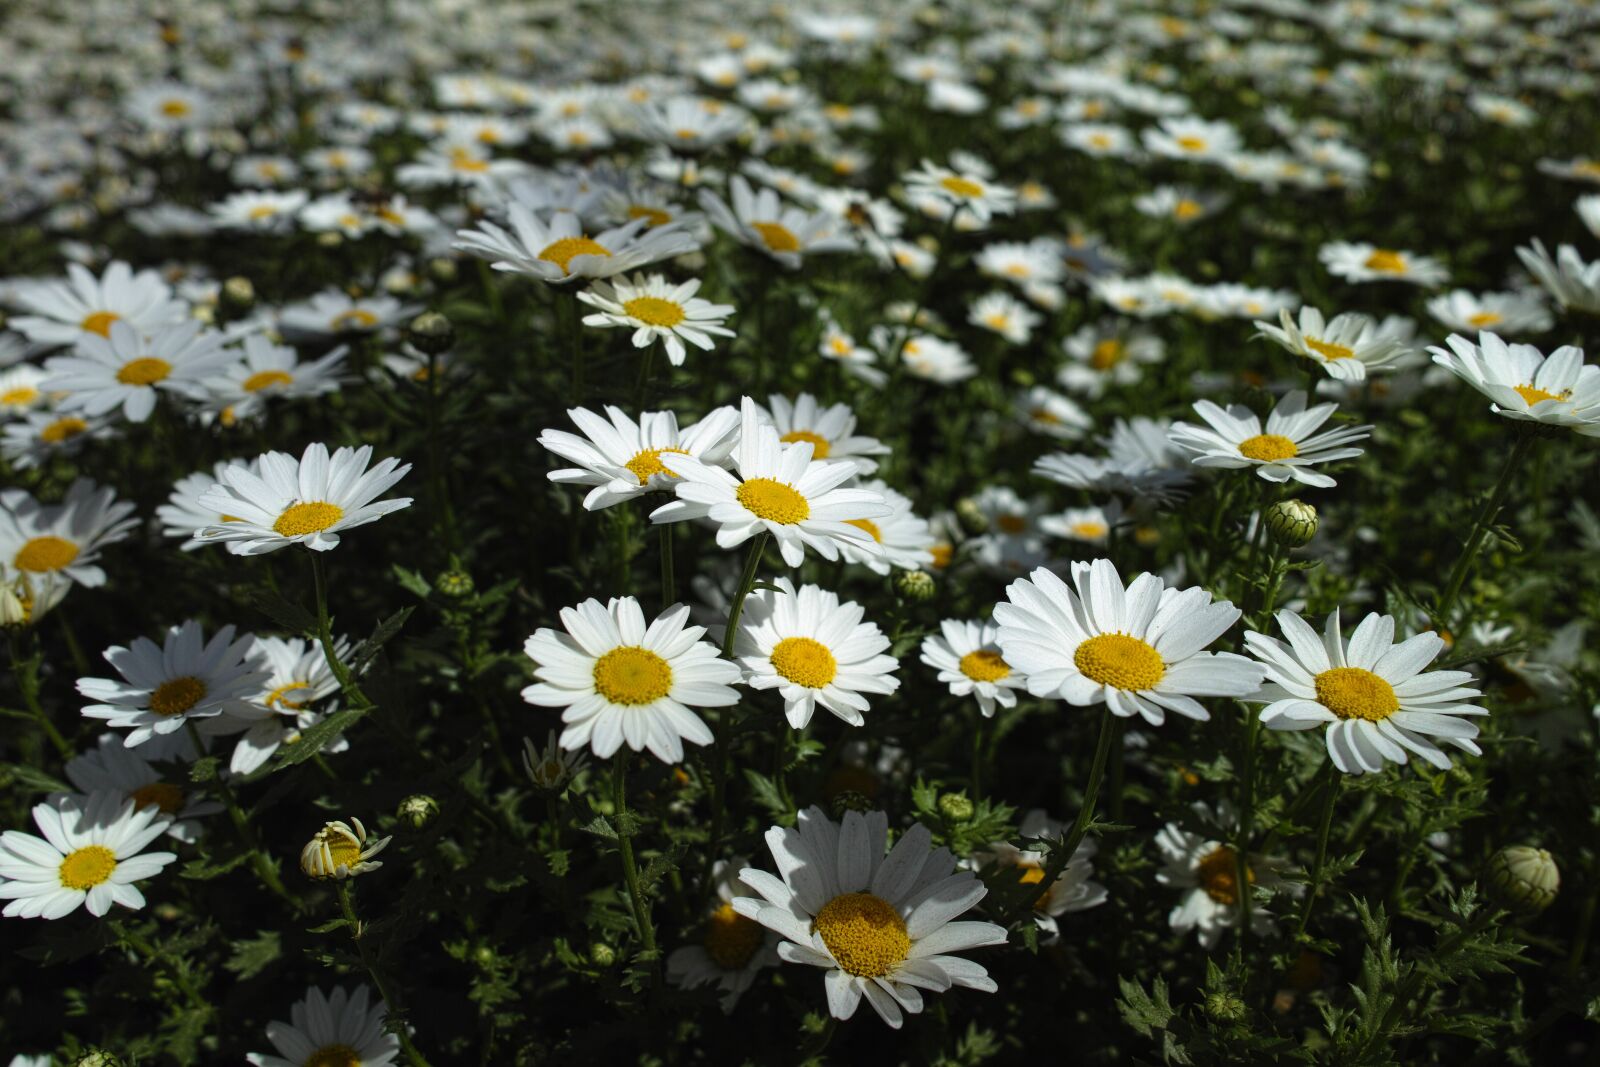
(977,757)
(641,389)
(719,755)
(80,662)
(630,869)
(1332,786)
(396,1015)
(1247,821)
(27,674)
(347,682)
(1481,523)
(747,581)
(1026,894)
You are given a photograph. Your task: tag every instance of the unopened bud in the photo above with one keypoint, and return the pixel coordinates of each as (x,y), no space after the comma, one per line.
(442,271)
(955,807)
(98,1057)
(417,810)
(431,333)
(915,585)
(1225,1006)
(238,295)
(971,516)
(1523,879)
(454,584)
(850,800)
(1291,523)
(602,954)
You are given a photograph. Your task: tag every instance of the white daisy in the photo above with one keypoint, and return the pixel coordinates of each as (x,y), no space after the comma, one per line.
(182,515)
(761,221)
(1348,346)
(776,489)
(965,191)
(881,926)
(814,650)
(164,686)
(1002,313)
(1465,312)
(1141,462)
(1358,262)
(1091,525)
(1377,701)
(19,390)
(308,501)
(656,309)
(623,459)
(831,430)
(1108,354)
(341,850)
(1207,871)
(555,249)
(297,676)
(858,360)
(1046,411)
(125,368)
(333,312)
(324,1031)
(63,540)
(89,855)
(1574,283)
(265,370)
(621,681)
(112,767)
(262,211)
(63,311)
(899,539)
(1074,888)
(1193,138)
(1234,439)
(1525,384)
(1136,649)
(969,662)
(733,948)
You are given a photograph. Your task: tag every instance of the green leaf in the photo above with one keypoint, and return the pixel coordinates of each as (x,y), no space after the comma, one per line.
(203,870)
(329,926)
(367,651)
(314,739)
(204,769)
(600,827)
(252,956)
(34,780)
(290,616)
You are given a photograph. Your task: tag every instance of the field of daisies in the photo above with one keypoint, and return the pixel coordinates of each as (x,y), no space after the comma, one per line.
(893,532)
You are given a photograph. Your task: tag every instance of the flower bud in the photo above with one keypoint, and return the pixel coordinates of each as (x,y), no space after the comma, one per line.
(972,518)
(341,850)
(417,810)
(955,807)
(915,585)
(1225,1006)
(1523,879)
(1291,522)
(850,800)
(98,1057)
(237,297)
(442,271)
(602,954)
(454,584)
(431,333)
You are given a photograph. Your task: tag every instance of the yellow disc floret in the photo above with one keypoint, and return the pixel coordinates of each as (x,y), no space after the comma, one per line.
(654,311)
(41,555)
(868,526)
(266,378)
(773,501)
(1329,352)
(562,252)
(731,939)
(962,187)
(865,934)
(298,520)
(776,237)
(163,796)
(146,370)
(632,676)
(334,1056)
(1120,661)
(177,695)
(804,661)
(984,665)
(1353,693)
(1218,874)
(819,444)
(1268,447)
(1532,394)
(1385,261)
(99,322)
(87,867)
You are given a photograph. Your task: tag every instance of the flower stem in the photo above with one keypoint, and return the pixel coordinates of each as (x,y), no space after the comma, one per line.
(396,1018)
(1334,781)
(1480,525)
(1247,821)
(747,581)
(719,755)
(26,670)
(347,682)
(265,869)
(630,869)
(641,389)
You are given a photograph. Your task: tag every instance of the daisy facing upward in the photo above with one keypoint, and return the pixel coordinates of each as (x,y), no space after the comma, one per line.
(1284,451)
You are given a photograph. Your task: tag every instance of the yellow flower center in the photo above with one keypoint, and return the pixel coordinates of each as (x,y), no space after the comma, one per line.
(280,697)
(67,426)
(1218,874)
(87,867)
(1107,354)
(174,108)
(1353,693)
(354,319)
(1590,167)
(1120,661)
(334,1056)
(177,695)
(43,554)
(1329,352)
(819,444)
(1035,876)
(343,849)
(654,311)
(655,215)
(261,211)
(865,934)
(563,252)
(1012,524)
(731,939)
(804,661)
(777,238)
(160,795)
(146,370)
(867,526)
(647,464)
(23,394)
(262,379)
(1099,140)
(1192,144)
(1532,394)
(773,501)
(984,665)
(1186,209)
(942,554)
(1090,531)
(1268,447)
(962,187)
(632,676)
(1484,318)
(298,520)
(1386,261)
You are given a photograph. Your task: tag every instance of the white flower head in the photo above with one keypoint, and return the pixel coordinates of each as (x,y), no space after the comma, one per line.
(1284,450)
(89,855)
(1525,384)
(967,656)
(656,309)
(337,1028)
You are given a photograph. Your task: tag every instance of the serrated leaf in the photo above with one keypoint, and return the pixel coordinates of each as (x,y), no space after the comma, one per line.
(35,780)
(329,926)
(286,613)
(600,826)
(361,658)
(252,956)
(204,769)
(315,738)
(205,870)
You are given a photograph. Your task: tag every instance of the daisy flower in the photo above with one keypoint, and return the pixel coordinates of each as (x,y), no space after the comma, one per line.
(1136,649)
(1141,463)
(340,1028)
(555,249)
(265,370)
(830,429)
(1192,138)
(62,312)
(297,676)
(263,211)
(1465,312)
(1074,888)
(1378,702)
(1037,262)
(1046,411)
(761,221)
(1100,356)
(124,369)
(970,664)
(899,539)
(19,390)
(89,855)
(733,948)
(552,767)
(1182,206)
(1207,873)
(341,850)
(112,767)
(182,515)
(935,359)
(880,926)
(1286,449)
(858,361)
(1526,385)
(623,459)
(63,540)
(814,650)
(333,312)
(1090,525)
(654,308)
(1004,314)
(1348,347)
(1574,283)
(952,191)
(1588,209)
(776,489)
(621,681)
(163,686)
(1357,262)
(308,501)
